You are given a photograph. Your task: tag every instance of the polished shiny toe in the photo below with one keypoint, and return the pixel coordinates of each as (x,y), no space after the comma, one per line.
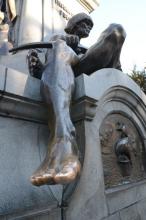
(68,173)
(46,178)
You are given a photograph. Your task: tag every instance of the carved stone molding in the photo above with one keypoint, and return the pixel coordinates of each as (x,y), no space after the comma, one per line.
(89,5)
(122,133)
(84,109)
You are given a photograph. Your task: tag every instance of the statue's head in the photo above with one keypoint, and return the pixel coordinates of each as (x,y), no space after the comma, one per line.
(80,25)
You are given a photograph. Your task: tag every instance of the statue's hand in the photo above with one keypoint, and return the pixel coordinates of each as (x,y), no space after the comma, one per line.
(35,66)
(72,40)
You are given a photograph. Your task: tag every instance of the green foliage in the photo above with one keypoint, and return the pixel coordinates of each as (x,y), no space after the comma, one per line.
(139,77)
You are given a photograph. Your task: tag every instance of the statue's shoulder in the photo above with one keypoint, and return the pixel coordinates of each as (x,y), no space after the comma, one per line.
(57,37)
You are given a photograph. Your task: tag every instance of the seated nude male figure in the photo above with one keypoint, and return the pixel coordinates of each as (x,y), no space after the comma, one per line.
(66,60)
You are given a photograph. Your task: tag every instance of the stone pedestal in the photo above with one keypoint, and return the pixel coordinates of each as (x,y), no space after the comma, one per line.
(114,93)
(24,137)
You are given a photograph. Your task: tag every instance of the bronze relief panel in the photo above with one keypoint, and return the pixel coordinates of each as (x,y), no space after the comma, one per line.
(122,149)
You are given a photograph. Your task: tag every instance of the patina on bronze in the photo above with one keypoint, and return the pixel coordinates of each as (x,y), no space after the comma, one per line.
(61,164)
(122,151)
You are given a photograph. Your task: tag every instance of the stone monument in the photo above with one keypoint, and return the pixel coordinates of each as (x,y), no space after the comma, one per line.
(61,164)
(108,111)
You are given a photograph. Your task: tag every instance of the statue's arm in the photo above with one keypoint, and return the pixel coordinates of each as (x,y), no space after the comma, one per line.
(35,65)
(71,40)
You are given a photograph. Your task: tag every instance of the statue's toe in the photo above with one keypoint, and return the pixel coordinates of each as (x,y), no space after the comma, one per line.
(43,178)
(68,173)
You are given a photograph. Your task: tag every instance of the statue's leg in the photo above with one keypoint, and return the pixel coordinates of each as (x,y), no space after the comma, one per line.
(45,172)
(103,54)
(61,164)
(67,163)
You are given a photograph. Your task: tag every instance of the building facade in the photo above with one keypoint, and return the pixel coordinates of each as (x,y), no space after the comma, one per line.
(38,20)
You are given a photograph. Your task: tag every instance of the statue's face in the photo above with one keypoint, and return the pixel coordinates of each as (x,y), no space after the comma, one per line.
(82,29)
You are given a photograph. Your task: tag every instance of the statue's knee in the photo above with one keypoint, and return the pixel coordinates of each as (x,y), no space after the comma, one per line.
(118,31)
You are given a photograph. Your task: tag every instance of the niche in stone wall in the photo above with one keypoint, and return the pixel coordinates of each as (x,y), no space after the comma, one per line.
(122,151)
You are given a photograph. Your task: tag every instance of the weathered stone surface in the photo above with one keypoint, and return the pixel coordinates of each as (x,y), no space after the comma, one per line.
(130,213)
(16,61)
(116,93)
(125,196)
(22,147)
(20,84)
(88,201)
(54,214)
(2,77)
(141,207)
(84,109)
(3,218)
(99,82)
(113,217)
(121,198)
(141,191)
(23,109)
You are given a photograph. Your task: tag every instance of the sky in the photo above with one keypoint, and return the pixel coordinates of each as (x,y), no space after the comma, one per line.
(132,15)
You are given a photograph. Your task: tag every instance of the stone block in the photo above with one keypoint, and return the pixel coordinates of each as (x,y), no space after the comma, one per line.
(3,218)
(53,215)
(141,190)
(121,198)
(115,216)
(100,81)
(141,207)
(56,215)
(23,109)
(16,61)
(23,146)
(2,77)
(22,85)
(88,201)
(130,213)
(125,196)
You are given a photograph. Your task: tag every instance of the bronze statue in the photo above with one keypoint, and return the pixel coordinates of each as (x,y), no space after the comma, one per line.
(123,150)
(61,164)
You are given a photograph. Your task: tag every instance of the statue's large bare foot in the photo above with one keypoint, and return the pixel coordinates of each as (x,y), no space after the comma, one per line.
(69,169)
(61,166)
(44,174)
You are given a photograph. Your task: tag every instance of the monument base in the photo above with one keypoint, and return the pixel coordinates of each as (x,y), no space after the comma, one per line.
(24,137)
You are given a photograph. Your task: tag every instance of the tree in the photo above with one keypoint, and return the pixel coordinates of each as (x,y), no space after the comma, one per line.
(139,76)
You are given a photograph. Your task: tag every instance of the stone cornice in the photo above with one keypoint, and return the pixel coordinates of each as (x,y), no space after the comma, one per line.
(83,109)
(89,5)
(20,98)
